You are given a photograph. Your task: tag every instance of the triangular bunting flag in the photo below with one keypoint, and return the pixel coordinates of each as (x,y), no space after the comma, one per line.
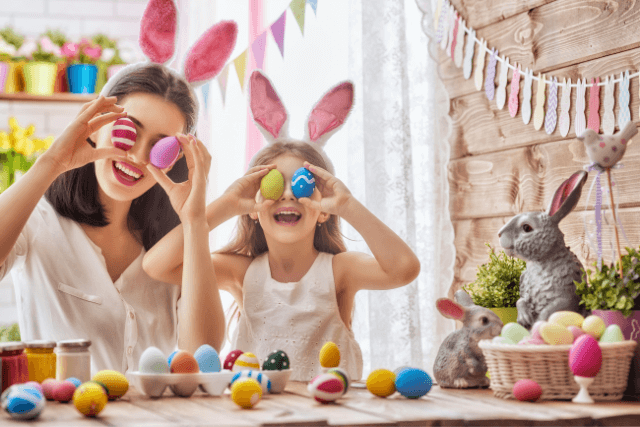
(222,82)
(257,47)
(277,31)
(241,66)
(314,5)
(205,94)
(298,9)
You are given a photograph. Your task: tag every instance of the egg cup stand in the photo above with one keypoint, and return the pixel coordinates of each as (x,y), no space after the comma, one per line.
(548,365)
(212,383)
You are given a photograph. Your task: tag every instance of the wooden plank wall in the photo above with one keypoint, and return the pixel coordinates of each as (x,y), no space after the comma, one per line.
(499,166)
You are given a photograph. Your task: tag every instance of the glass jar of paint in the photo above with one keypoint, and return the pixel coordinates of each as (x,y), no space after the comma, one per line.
(41,359)
(15,369)
(73,360)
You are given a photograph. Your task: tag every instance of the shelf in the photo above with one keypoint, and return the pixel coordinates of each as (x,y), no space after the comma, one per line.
(56,97)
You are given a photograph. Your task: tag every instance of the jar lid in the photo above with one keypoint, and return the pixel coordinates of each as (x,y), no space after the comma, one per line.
(74,343)
(11,346)
(40,344)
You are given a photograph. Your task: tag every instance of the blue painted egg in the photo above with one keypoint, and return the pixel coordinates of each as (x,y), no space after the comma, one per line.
(262,379)
(302,183)
(207,358)
(25,403)
(75,381)
(170,358)
(413,383)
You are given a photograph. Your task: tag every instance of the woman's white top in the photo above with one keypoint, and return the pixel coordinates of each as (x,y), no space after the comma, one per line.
(64,291)
(297,317)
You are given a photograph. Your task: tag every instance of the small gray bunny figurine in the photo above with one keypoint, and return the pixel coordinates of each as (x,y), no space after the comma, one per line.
(460,362)
(546,286)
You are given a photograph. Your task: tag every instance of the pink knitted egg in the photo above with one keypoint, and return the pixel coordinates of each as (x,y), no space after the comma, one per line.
(585,357)
(48,386)
(123,134)
(527,390)
(165,152)
(326,388)
(63,391)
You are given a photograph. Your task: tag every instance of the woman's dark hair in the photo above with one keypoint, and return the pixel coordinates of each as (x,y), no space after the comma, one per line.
(74,194)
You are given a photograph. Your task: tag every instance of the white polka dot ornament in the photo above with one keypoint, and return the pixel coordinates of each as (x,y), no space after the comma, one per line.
(276,361)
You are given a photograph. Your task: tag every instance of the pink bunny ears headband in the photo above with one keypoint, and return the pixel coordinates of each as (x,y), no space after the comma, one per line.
(158,31)
(326,117)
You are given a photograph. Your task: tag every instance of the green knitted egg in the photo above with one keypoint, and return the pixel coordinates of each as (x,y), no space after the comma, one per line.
(276,361)
(272,185)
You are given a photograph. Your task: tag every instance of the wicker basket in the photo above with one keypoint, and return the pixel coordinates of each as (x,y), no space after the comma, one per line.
(548,365)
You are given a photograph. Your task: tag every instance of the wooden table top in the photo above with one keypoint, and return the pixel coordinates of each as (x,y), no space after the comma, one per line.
(358,407)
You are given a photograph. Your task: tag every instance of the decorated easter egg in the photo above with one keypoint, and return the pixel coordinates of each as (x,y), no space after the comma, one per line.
(400,369)
(207,358)
(594,326)
(5,395)
(535,329)
(114,382)
(165,152)
(381,382)
(272,185)
(123,133)
(261,378)
(184,363)
(555,334)
(37,385)
(514,332)
(612,333)
(326,388)
(567,318)
(170,358)
(532,341)
(276,361)
(413,383)
(329,355)
(24,402)
(246,393)
(90,398)
(231,359)
(342,376)
(302,183)
(48,386)
(246,361)
(576,331)
(75,381)
(527,390)
(63,391)
(585,357)
(153,361)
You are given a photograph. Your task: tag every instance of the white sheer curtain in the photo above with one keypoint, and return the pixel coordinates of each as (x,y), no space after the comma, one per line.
(392,154)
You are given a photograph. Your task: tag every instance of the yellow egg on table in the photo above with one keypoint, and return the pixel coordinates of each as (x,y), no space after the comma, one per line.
(381,382)
(329,355)
(246,392)
(594,326)
(115,383)
(555,334)
(90,398)
(567,318)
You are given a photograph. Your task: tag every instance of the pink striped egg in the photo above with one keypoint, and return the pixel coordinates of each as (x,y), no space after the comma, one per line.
(123,134)
(326,388)
(165,152)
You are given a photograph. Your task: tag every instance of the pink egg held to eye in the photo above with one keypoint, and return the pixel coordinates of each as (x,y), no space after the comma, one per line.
(165,152)
(124,134)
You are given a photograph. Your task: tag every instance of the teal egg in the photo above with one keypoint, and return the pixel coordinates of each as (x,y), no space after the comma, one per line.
(613,333)
(75,381)
(207,358)
(170,358)
(302,183)
(413,383)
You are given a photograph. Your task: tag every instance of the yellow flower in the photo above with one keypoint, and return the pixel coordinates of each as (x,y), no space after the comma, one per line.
(30,130)
(19,139)
(5,144)
(13,123)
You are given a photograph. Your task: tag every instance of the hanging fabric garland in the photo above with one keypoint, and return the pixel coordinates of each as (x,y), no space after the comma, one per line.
(442,18)
(457,52)
(489,82)
(565,106)
(608,118)
(552,105)
(468,55)
(444,42)
(479,74)
(453,31)
(624,115)
(580,121)
(501,95)
(538,114)
(526,101)
(594,106)
(515,89)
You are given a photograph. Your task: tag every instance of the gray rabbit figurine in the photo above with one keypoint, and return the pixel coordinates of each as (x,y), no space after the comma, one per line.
(460,362)
(546,286)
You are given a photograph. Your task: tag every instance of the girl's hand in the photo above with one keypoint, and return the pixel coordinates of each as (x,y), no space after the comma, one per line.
(335,195)
(71,149)
(242,193)
(187,198)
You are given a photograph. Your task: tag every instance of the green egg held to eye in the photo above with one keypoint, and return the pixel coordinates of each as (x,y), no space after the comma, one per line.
(272,185)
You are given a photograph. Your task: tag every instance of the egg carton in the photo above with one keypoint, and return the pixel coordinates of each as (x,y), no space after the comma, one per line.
(212,383)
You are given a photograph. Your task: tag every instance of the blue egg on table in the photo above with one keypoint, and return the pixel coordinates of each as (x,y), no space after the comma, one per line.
(303,183)
(208,359)
(413,383)
(75,381)
(263,379)
(25,403)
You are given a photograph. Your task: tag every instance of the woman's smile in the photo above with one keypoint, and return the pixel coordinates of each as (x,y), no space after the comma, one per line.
(126,174)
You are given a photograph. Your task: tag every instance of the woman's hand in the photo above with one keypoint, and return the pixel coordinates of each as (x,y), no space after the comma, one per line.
(335,195)
(71,149)
(242,193)
(187,198)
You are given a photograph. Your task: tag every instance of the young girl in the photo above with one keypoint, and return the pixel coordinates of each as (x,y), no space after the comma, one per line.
(287,268)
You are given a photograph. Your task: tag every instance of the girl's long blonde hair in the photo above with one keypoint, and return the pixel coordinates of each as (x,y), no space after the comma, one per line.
(249,238)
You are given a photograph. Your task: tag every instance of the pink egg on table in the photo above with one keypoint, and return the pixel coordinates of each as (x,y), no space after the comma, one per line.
(48,386)
(63,391)
(585,357)
(165,152)
(577,332)
(527,390)
(124,134)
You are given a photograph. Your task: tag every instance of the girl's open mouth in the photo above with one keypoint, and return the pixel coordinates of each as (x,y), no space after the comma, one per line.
(126,174)
(287,217)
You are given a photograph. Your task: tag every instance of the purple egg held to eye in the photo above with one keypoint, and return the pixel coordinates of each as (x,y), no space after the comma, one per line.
(124,134)
(165,152)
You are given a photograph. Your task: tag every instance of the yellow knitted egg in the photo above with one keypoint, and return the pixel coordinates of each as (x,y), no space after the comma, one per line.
(246,361)
(246,392)
(381,382)
(116,383)
(329,355)
(90,398)
(272,185)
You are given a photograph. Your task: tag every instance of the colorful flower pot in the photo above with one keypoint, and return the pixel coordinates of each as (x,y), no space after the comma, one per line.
(39,77)
(4,72)
(101,79)
(506,314)
(61,85)
(82,78)
(15,79)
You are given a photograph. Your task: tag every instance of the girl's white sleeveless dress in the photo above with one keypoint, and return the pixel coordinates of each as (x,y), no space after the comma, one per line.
(296,317)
